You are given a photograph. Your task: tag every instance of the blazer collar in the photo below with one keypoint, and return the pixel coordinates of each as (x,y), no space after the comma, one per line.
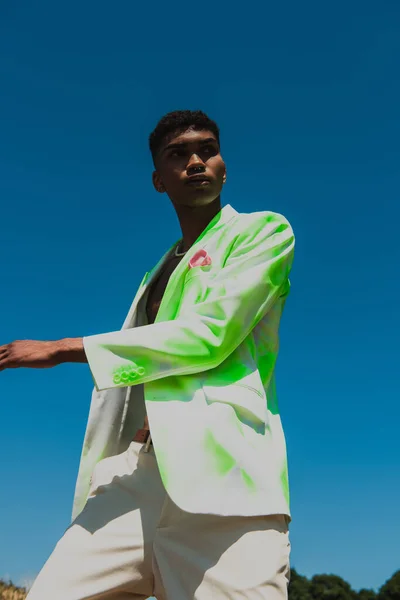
(221,219)
(175,283)
(226,214)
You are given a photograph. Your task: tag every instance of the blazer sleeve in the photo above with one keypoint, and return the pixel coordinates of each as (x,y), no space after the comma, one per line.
(254,275)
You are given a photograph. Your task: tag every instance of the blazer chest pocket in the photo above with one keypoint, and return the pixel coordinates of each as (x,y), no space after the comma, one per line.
(249,404)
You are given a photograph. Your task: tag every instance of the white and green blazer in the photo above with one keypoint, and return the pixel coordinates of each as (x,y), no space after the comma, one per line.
(205,369)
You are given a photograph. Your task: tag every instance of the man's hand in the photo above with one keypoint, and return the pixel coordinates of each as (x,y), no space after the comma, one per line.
(41,355)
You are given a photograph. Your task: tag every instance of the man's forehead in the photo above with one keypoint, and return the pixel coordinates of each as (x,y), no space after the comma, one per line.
(188,136)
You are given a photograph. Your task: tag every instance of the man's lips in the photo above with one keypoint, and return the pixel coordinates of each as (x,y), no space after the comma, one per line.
(197,179)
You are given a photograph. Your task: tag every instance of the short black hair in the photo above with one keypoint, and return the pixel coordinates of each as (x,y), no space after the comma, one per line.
(177,122)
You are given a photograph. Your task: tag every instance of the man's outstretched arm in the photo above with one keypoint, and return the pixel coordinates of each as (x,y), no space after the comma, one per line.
(253,277)
(41,355)
(255,274)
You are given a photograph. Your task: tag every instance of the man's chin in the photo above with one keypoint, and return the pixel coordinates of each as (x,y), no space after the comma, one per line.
(199,200)
(199,197)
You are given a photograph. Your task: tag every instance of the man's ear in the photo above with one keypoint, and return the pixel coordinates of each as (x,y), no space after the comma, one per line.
(224,177)
(158,185)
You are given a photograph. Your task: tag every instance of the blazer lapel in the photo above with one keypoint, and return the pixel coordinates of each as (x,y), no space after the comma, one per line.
(146,281)
(173,292)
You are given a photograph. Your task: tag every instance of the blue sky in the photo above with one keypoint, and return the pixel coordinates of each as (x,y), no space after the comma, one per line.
(307,97)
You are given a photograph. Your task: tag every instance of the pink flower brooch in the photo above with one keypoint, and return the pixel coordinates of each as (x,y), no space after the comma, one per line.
(200,259)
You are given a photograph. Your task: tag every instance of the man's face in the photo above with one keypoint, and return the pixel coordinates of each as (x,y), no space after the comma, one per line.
(189,167)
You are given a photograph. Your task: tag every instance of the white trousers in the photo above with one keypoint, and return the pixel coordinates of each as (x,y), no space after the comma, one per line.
(131,542)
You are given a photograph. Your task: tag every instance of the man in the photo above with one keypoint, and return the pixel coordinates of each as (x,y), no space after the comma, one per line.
(199,508)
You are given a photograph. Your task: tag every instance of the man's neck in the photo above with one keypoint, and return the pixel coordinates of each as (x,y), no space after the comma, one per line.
(194,220)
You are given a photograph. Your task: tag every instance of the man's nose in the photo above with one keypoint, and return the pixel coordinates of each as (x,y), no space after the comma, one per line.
(195,164)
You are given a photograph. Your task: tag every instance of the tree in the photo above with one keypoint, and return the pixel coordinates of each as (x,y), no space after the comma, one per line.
(391,589)
(299,587)
(367,595)
(8,591)
(331,587)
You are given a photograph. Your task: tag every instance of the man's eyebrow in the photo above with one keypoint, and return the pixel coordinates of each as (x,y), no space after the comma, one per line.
(185,144)
(208,140)
(170,146)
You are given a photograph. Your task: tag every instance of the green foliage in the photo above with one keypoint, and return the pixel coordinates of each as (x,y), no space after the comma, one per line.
(391,589)
(320,587)
(367,595)
(299,587)
(332,587)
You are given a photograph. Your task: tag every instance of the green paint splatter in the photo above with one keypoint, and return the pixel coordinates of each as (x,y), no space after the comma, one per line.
(285,482)
(162,467)
(249,481)
(223,460)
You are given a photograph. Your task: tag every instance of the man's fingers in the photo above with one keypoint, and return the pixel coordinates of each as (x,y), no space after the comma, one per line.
(4,358)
